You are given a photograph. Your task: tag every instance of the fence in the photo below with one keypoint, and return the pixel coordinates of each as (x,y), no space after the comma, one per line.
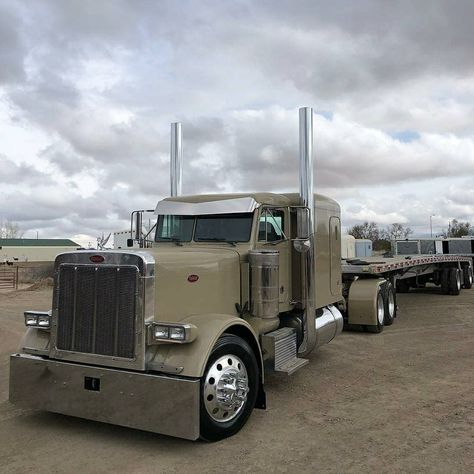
(9,278)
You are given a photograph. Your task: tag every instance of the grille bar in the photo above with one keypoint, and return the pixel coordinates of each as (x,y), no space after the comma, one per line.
(96,309)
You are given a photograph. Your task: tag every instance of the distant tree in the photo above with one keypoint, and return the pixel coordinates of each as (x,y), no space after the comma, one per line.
(396,231)
(458,229)
(367,230)
(370,231)
(10,230)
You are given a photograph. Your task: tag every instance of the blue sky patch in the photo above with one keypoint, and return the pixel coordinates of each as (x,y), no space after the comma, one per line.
(405,136)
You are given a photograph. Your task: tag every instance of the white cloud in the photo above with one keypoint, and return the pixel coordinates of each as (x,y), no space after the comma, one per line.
(87,92)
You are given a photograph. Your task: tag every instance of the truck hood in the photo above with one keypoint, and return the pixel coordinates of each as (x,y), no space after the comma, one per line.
(195,281)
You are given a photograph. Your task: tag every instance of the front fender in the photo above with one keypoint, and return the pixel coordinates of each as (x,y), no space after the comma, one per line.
(190,359)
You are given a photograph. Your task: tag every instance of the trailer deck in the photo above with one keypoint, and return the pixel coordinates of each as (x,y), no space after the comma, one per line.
(381,266)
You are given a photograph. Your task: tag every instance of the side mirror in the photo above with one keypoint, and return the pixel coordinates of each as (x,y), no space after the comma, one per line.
(302,223)
(129,242)
(302,244)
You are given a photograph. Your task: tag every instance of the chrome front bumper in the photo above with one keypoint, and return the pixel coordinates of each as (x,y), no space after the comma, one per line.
(157,403)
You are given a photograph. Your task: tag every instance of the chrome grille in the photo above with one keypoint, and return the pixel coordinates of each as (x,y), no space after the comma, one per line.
(96,308)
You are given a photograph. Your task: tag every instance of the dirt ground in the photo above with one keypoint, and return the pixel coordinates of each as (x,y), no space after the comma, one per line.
(401,401)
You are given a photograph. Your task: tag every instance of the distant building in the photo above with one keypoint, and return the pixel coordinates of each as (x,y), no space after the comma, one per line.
(34,250)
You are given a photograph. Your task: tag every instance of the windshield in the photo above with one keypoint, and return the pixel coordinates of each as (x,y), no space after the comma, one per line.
(210,228)
(225,227)
(174,228)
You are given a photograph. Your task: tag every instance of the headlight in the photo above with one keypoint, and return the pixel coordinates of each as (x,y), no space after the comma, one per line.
(177,333)
(168,332)
(38,319)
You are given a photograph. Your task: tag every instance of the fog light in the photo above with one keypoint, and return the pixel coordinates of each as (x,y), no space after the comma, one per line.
(43,321)
(31,319)
(38,319)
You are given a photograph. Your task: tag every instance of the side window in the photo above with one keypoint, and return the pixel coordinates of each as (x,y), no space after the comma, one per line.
(271,225)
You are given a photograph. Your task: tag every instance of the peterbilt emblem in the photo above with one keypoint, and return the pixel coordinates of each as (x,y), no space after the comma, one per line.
(193,278)
(96,258)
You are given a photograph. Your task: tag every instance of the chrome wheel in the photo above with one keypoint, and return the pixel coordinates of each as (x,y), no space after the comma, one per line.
(458,280)
(380,309)
(391,304)
(226,388)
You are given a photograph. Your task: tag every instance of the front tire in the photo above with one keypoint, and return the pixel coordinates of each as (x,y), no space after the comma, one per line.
(228,389)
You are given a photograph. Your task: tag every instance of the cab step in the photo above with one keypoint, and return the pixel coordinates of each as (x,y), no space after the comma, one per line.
(280,351)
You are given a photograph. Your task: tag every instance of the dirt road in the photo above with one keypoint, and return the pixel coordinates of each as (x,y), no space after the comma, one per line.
(401,401)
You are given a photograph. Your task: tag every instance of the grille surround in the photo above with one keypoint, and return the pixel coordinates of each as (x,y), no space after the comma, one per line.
(100,309)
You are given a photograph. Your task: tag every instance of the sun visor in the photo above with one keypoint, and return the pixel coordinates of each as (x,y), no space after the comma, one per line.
(226,206)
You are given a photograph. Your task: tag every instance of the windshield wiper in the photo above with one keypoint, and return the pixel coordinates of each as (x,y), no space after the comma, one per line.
(218,239)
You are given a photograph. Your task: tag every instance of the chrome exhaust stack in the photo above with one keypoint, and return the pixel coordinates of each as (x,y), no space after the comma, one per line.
(307,225)
(176,159)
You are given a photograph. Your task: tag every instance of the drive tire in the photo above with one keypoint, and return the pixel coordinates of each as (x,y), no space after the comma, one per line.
(380,313)
(390,305)
(454,281)
(467,277)
(231,348)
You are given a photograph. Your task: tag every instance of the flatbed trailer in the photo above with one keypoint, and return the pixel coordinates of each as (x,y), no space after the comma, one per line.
(450,272)
(401,266)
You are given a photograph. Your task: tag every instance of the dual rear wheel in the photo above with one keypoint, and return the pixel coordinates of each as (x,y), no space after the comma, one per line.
(451,281)
(467,277)
(386,308)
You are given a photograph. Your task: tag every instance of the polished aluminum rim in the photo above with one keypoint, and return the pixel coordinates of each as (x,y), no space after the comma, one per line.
(391,304)
(380,308)
(458,280)
(226,388)
(470,276)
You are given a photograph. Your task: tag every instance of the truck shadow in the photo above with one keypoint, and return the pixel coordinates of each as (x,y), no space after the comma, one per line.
(95,431)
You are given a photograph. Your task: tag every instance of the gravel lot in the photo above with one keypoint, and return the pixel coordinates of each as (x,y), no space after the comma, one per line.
(401,401)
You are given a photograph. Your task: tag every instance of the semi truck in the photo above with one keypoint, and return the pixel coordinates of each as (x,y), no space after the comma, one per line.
(177,337)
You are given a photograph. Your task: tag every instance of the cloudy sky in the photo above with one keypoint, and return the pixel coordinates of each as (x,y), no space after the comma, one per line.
(88,89)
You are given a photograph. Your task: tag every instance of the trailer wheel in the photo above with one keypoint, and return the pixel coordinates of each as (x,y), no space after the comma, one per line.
(390,305)
(445,288)
(467,277)
(380,313)
(228,389)
(454,281)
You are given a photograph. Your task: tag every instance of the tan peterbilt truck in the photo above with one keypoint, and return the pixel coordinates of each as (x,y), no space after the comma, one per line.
(175,338)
